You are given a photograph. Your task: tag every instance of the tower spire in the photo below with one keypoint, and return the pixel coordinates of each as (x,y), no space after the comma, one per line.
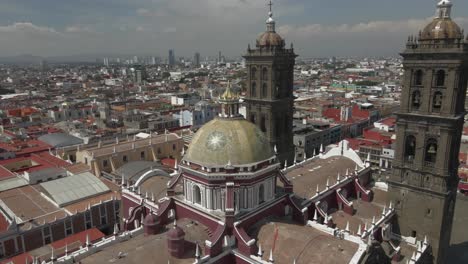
(270,21)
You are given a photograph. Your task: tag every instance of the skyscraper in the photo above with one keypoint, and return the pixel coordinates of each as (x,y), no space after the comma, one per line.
(196,59)
(429,126)
(269,96)
(171,59)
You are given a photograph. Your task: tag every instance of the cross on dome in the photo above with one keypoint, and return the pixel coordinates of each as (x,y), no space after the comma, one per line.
(270,21)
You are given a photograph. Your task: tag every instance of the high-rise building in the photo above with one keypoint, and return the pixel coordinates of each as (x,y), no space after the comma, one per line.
(135,59)
(429,126)
(196,59)
(106,62)
(171,58)
(269,96)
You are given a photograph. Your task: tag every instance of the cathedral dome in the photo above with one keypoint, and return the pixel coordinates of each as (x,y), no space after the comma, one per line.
(270,39)
(233,141)
(442,27)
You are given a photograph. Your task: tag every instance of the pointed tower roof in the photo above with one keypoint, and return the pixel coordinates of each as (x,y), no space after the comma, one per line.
(270,38)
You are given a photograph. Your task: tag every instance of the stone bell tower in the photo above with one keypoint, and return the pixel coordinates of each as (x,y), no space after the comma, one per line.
(269,99)
(429,127)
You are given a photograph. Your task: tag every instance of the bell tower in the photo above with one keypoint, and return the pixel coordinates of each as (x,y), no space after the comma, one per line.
(429,127)
(269,99)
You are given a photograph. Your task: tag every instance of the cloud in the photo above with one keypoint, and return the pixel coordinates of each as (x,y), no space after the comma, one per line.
(150,13)
(78,29)
(26,27)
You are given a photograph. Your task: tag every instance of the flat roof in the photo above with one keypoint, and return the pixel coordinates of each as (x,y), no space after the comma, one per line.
(128,145)
(305,178)
(290,241)
(73,188)
(141,248)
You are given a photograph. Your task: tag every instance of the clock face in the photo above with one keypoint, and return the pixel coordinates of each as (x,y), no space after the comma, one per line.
(216,140)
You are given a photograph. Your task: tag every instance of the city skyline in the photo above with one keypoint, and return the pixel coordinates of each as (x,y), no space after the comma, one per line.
(316,28)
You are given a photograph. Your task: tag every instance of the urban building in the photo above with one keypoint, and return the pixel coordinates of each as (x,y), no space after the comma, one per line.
(429,127)
(269,97)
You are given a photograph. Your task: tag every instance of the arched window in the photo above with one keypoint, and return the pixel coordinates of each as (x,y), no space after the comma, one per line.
(265,90)
(196,194)
(440,78)
(437,101)
(410,147)
(265,74)
(253,73)
(416,99)
(253,118)
(263,124)
(261,194)
(254,89)
(418,77)
(431,151)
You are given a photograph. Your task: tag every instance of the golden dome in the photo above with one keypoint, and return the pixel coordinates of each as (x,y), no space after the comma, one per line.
(269,39)
(441,28)
(224,141)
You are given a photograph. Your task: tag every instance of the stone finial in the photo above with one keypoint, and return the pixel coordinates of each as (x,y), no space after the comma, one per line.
(317,191)
(384,210)
(347,172)
(88,241)
(276,149)
(66,249)
(390,206)
(197,252)
(52,255)
(315,216)
(359,232)
(347,227)
(373,220)
(176,165)
(225,241)
(152,197)
(365,226)
(285,164)
(321,148)
(425,241)
(325,221)
(338,178)
(270,259)
(260,252)
(313,153)
(116,229)
(328,183)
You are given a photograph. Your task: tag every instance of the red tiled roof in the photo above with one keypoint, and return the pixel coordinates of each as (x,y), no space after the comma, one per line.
(94,235)
(391,121)
(19,259)
(5,173)
(44,160)
(3,223)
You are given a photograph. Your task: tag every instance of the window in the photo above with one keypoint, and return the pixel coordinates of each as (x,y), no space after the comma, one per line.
(410,148)
(173,147)
(68,227)
(428,212)
(440,78)
(416,99)
(253,75)
(88,221)
(418,78)
(86,161)
(124,158)
(437,101)
(254,89)
(413,233)
(196,194)
(142,155)
(117,211)
(253,118)
(47,234)
(261,194)
(265,90)
(2,251)
(103,214)
(431,151)
(263,124)
(159,150)
(105,163)
(265,74)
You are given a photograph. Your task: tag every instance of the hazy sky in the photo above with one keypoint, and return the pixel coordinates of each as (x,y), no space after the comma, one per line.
(316,27)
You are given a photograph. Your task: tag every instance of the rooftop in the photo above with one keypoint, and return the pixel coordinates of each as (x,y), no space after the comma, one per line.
(306,178)
(142,248)
(290,242)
